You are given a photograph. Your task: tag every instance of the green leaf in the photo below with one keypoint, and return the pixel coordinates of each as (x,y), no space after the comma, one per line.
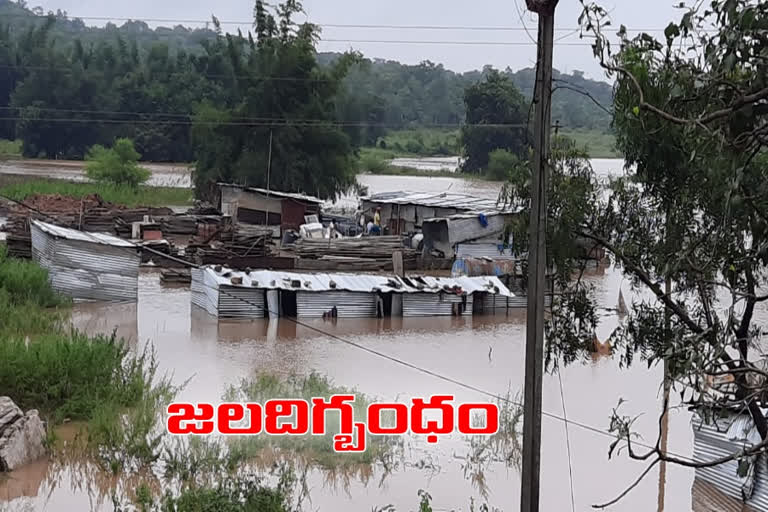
(636,110)
(671,32)
(743,468)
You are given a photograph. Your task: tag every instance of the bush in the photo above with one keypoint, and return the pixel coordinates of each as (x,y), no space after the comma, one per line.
(118,165)
(10,149)
(502,164)
(24,281)
(245,494)
(414,146)
(68,374)
(373,164)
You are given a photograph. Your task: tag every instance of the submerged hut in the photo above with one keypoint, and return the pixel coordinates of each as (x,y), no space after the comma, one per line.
(87,266)
(232,294)
(745,481)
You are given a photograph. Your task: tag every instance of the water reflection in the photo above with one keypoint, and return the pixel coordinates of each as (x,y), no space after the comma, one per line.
(190,343)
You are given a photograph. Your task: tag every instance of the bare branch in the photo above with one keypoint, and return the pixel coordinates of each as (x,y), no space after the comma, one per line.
(646,279)
(628,489)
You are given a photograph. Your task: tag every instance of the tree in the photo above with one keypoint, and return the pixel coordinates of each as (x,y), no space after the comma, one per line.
(690,116)
(502,164)
(497,103)
(117,165)
(309,151)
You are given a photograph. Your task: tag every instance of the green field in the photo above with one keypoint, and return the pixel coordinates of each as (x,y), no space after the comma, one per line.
(143,196)
(598,144)
(10,149)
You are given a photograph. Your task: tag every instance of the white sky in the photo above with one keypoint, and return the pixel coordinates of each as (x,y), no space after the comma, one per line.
(635,14)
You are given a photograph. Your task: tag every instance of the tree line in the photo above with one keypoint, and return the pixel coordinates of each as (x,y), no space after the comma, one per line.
(218,99)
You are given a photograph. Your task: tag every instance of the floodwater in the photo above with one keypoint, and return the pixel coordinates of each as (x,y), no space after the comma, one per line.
(486,352)
(447,163)
(163,175)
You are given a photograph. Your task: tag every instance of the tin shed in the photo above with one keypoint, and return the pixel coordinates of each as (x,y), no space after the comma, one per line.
(87,266)
(225,292)
(745,481)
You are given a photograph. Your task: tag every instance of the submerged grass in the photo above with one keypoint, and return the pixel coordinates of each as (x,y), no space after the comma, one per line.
(142,196)
(68,375)
(315,450)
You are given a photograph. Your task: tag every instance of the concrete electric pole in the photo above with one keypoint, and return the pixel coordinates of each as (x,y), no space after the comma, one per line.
(534,352)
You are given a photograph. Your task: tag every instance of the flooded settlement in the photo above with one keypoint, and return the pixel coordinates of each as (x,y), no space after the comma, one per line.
(282,285)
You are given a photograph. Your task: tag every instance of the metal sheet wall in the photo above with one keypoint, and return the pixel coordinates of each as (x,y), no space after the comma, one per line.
(486,250)
(204,295)
(348,304)
(236,302)
(492,302)
(709,444)
(87,271)
(431,304)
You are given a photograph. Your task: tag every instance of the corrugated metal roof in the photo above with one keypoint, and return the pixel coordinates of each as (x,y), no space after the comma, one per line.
(289,195)
(441,200)
(355,282)
(724,437)
(73,234)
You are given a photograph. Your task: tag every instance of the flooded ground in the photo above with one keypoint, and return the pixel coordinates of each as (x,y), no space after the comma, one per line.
(163,175)
(487,352)
(447,163)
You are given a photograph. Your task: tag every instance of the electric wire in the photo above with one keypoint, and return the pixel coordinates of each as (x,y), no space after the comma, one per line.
(367,26)
(369,350)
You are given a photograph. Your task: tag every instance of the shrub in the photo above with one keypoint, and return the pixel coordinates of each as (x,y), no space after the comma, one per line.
(414,146)
(502,164)
(25,282)
(373,164)
(118,165)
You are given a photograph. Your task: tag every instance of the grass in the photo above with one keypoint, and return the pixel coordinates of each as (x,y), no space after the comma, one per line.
(377,161)
(315,450)
(10,149)
(143,196)
(68,375)
(420,142)
(598,144)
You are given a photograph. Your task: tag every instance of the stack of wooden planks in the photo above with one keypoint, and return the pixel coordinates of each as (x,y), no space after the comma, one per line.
(371,253)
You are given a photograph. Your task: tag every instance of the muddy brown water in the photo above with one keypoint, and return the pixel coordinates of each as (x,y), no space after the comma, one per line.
(191,344)
(487,352)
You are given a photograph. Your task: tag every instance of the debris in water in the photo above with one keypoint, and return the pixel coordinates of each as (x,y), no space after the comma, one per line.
(622,305)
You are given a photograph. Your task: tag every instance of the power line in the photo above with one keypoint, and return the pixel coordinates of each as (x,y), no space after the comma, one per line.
(497,28)
(369,350)
(567,439)
(187,118)
(522,22)
(265,123)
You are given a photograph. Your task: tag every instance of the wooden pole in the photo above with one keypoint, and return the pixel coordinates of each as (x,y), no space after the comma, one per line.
(534,352)
(269,160)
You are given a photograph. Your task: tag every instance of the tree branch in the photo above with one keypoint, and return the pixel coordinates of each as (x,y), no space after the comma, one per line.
(646,279)
(628,489)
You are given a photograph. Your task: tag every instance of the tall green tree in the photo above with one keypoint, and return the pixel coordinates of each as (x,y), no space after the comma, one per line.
(692,208)
(496,119)
(118,165)
(295,109)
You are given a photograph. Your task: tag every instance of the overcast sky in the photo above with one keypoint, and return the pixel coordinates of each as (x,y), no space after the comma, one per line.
(571,53)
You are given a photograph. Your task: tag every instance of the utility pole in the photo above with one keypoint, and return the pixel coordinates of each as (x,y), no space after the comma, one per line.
(269,170)
(269,160)
(534,345)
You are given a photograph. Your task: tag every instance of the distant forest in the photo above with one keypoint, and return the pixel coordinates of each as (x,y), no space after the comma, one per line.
(65,86)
